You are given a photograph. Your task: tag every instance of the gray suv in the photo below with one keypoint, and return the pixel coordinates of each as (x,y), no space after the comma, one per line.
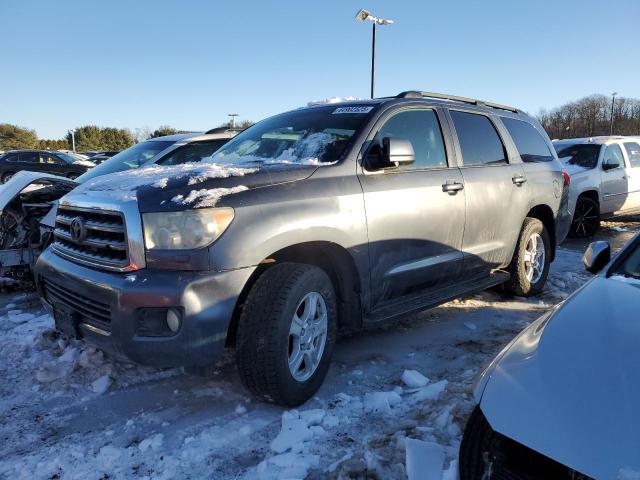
(309,223)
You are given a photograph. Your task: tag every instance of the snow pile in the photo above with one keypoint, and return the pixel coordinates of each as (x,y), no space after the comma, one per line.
(303,151)
(123,185)
(206,197)
(332,100)
(424,460)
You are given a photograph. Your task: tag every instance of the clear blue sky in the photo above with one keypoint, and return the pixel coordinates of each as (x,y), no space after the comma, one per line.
(144,63)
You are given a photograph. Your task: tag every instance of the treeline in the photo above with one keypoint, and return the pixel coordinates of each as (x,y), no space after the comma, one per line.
(591,116)
(87,138)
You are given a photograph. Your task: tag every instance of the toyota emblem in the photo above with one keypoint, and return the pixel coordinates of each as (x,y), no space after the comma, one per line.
(78,230)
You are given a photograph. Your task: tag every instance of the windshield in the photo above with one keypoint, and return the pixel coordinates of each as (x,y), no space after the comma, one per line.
(630,267)
(312,136)
(584,155)
(130,158)
(192,152)
(68,157)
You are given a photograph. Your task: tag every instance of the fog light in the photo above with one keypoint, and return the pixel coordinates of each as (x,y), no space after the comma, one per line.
(173,320)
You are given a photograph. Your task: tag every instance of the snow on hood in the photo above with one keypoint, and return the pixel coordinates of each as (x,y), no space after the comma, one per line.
(572,168)
(124,185)
(569,387)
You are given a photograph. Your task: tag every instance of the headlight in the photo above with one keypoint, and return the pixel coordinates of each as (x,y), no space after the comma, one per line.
(185,230)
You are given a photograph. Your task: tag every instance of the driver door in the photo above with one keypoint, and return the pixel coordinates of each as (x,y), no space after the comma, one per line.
(415,227)
(615,180)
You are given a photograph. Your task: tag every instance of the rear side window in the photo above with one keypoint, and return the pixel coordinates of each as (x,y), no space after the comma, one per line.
(479,140)
(633,152)
(529,143)
(29,157)
(422,129)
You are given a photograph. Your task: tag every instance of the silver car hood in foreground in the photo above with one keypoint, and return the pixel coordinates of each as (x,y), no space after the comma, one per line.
(569,385)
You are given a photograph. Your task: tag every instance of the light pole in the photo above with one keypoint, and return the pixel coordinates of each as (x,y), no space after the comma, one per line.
(73,140)
(613,100)
(364,15)
(233,119)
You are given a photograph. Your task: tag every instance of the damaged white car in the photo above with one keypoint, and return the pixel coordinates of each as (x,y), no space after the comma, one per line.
(26,215)
(561,400)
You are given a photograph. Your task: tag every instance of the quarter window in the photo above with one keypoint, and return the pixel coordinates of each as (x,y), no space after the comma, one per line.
(479,140)
(422,129)
(529,143)
(633,152)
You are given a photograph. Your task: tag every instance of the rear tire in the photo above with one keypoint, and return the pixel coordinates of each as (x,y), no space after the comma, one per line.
(281,352)
(586,218)
(475,448)
(529,267)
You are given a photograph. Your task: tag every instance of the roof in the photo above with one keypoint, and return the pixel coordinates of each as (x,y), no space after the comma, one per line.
(599,140)
(196,136)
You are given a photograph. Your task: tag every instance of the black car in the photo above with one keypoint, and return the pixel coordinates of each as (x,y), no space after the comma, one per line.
(56,163)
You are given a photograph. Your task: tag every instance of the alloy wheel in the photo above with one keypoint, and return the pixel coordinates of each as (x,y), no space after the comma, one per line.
(307,336)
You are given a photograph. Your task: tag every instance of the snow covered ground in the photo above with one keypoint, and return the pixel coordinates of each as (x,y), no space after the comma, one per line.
(395,400)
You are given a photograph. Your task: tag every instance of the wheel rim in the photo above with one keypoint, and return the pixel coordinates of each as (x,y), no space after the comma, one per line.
(534,258)
(307,336)
(585,220)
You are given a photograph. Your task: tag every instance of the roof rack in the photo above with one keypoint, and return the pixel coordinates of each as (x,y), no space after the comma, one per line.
(455,98)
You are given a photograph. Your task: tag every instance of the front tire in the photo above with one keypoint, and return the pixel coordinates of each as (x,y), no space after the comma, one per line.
(586,219)
(529,267)
(286,333)
(475,448)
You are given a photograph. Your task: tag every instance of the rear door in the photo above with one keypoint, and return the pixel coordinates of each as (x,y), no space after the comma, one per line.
(29,161)
(615,181)
(632,150)
(496,193)
(415,228)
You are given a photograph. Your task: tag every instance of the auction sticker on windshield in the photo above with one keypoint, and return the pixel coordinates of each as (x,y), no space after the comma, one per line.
(352,110)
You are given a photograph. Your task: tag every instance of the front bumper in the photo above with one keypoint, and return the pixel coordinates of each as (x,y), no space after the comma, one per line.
(106,308)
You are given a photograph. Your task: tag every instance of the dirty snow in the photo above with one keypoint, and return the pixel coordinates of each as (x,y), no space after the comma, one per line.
(206,197)
(394,402)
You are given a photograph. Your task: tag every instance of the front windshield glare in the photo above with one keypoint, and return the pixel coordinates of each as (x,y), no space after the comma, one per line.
(313,136)
(132,157)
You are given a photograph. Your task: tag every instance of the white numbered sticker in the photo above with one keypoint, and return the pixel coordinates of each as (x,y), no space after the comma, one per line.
(352,110)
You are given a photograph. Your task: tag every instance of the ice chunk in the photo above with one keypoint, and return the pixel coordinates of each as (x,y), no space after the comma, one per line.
(294,432)
(102,384)
(154,442)
(430,392)
(287,466)
(380,402)
(414,379)
(424,460)
(108,456)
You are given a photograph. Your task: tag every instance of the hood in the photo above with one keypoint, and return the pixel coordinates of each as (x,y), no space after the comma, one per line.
(574,169)
(22,180)
(84,163)
(569,386)
(159,188)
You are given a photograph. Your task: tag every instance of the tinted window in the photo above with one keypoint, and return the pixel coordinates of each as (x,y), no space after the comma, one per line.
(50,159)
(422,129)
(529,143)
(479,140)
(192,152)
(584,155)
(614,155)
(29,157)
(633,152)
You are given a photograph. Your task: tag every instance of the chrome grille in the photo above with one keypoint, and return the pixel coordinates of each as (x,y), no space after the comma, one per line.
(90,311)
(92,237)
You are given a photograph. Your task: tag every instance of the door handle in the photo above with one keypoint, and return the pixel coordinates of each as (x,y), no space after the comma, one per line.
(452,187)
(518,180)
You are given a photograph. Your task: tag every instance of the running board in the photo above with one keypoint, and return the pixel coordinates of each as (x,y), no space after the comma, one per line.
(421,301)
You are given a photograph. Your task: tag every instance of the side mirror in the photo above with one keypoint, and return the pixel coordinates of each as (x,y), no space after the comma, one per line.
(610,164)
(596,256)
(392,153)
